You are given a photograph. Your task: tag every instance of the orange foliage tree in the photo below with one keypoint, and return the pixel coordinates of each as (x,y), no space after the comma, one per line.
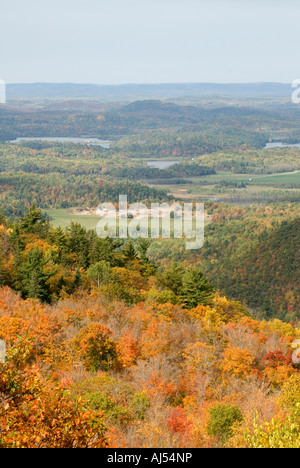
(95,348)
(34,415)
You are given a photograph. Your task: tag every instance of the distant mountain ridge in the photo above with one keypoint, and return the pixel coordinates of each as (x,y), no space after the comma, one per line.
(149,91)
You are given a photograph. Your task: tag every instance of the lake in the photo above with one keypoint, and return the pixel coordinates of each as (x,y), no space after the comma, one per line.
(161,164)
(281,145)
(77,141)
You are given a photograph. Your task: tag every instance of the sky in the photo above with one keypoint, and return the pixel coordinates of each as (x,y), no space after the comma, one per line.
(149,41)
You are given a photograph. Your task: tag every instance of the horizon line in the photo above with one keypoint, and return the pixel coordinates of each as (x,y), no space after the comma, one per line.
(151,84)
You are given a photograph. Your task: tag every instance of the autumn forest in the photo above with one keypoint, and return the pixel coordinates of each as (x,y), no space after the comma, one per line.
(141,343)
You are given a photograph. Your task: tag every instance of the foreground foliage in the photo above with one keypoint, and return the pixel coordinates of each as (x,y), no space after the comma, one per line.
(105,350)
(88,372)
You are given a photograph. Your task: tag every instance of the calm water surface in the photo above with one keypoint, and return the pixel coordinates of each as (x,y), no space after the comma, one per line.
(78,141)
(281,145)
(161,164)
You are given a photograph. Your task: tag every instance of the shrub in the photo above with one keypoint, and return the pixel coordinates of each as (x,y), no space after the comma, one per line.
(95,348)
(222,418)
(162,297)
(140,404)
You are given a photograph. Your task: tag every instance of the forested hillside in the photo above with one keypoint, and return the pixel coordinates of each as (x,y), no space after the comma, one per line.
(215,128)
(267,273)
(103,350)
(252,254)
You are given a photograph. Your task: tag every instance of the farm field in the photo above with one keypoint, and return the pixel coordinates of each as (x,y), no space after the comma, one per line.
(225,184)
(63,218)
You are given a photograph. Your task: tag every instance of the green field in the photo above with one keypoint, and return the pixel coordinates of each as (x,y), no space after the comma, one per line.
(287,179)
(280,179)
(281,184)
(63,218)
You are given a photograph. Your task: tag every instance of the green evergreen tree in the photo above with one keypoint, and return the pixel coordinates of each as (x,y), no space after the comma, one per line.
(148,268)
(35,222)
(77,279)
(109,251)
(16,240)
(78,243)
(58,237)
(129,251)
(129,254)
(195,290)
(172,278)
(94,252)
(34,277)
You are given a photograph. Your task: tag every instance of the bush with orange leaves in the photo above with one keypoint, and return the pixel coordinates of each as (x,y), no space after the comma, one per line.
(30,319)
(35,415)
(128,350)
(181,425)
(95,348)
(155,339)
(237,361)
(277,376)
(12,327)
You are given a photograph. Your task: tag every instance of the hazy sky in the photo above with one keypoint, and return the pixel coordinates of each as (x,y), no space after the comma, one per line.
(149,41)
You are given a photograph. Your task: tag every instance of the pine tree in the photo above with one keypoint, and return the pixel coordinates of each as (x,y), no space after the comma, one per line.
(129,254)
(109,251)
(78,243)
(34,277)
(172,278)
(94,253)
(148,268)
(17,242)
(59,238)
(35,222)
(196,290)
(77,279)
